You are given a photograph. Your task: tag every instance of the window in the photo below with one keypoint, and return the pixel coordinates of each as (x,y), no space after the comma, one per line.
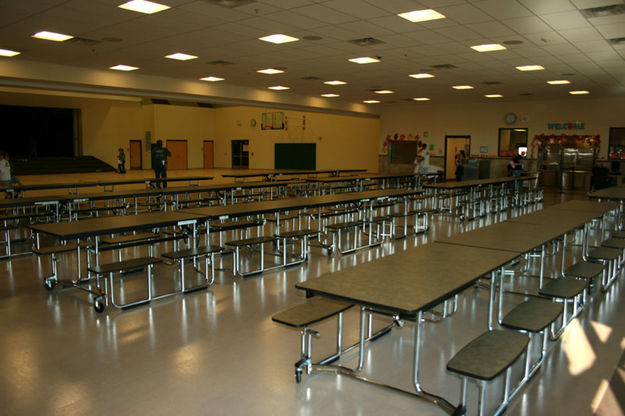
(616,147)
(512,141)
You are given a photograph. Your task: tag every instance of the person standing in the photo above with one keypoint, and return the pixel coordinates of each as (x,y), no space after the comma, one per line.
(461,159)
(5,174)
(121,161)
(159,163)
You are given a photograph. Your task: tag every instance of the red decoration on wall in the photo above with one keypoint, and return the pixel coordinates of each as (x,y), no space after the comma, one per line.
(565,139)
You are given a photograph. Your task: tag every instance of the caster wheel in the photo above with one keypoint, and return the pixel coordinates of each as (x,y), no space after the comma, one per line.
(98,306)
(462,218)
(49,284)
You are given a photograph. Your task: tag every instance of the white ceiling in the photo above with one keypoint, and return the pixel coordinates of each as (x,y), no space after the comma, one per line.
(552,33)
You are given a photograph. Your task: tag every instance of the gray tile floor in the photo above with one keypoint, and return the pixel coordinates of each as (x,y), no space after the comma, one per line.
(218,352)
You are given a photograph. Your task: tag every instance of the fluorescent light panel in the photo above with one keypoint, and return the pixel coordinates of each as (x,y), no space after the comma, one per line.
(212,79)
(493,96)
(421,99)
(530,68)
(421,15)
(579,92)
(371,102)
(143,6)
(124,68)
(489,47)
(8,53)
(559,82)
(384,91)
(179,56)
(421,76)
(335,82)
(53,36)
(279,38)
(279,88)
(462,87)
(364,60)
(270,71)
(330,95)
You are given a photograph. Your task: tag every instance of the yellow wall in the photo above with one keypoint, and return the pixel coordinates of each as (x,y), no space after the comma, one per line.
(342,141)
(482,121)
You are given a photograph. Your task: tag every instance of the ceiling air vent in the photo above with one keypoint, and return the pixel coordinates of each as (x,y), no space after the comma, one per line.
(527,94)
(311,78)
(220,62)
(491,82)
(231,4)
(366,41)
(612,10)
(617,41)
(444,66)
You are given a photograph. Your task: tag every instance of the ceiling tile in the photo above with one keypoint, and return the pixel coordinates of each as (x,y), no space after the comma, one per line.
(465,13)
(566,20)
(458,33)
(357,8)
(324,14)
(363,29)
(503,9)
(581,34)
(295,19)
(612,31)
(492,29)
(550,6)
(526,25)
(587,4)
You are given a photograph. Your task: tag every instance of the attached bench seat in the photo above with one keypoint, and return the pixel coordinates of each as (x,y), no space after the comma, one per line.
(109,269)
(423,214)
(241,225)
(608,257)
(138,239)
(533,315)
(53,251)
(194,253)
(485,358)
(355,227)
(584,270)
(251,242)
(569,290)
(315,310)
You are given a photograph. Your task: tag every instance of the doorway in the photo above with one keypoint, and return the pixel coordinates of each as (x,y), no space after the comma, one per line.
(136,155)
(209,154)
(178,158)
(240,154)
(453,145)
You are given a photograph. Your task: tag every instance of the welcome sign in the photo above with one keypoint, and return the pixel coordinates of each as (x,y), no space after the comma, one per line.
(566,126)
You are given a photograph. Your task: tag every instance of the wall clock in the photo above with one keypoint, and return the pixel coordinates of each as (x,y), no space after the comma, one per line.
(510,118)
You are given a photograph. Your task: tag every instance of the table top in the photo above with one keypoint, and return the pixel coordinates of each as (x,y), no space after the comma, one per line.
(365,177)
(510,236)
(412,280)
(291,172)
(613,192)
(74,185)
(68,230)
(262,207)
(478,182)
(588,206)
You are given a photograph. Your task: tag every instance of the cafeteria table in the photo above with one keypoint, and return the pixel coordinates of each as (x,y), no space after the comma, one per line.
(406,285)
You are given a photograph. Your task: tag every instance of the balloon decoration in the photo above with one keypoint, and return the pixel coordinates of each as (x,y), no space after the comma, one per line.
(399,137)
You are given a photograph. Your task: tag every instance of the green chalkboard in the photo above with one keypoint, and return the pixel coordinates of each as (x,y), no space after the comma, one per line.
(296,156)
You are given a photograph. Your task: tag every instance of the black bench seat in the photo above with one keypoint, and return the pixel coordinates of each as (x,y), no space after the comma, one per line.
(251,241)
(584,270)
(564,288)
(208,252)
(124,265)
(533,315)
(315,310)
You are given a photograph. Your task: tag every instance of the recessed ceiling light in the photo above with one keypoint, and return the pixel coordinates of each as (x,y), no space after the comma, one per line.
(490,47)
(580,92)
(143,6)
(124,68)
(279,38)
(421,15)
(493,96)
(270,71)
(56,37)
(384,91)
(179,56)
(530,68)
(335,82)
(371,102)
(559,82)
(462,87)
(8,53)
(364,60)
(212,79)
(422,75)
(330,95)
(421,99)
(279,87)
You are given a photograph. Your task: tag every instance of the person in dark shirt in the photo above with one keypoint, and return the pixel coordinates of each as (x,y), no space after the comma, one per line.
(159,163)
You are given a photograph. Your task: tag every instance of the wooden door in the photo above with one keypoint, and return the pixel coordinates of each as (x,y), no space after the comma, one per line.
(209,154)
(136,155)
(178,158)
